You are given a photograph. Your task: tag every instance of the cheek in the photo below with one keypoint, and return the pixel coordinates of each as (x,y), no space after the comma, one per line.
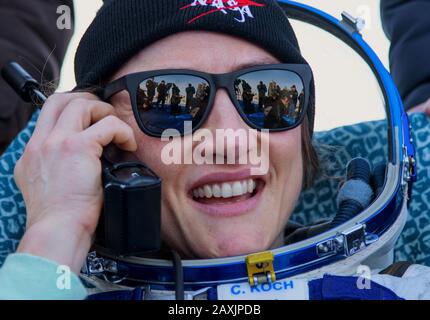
(287,172)
(286,177)
(149,149)
(286,154)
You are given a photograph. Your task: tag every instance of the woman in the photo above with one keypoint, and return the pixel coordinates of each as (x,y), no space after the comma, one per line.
(208,211)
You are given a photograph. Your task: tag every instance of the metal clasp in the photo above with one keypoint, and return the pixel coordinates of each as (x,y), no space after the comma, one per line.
(352,23)
(347,242)
(409,166)
(260,268)
(354,239)
(96,266)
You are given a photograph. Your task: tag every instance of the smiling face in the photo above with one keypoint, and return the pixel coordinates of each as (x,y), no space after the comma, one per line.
(220,210)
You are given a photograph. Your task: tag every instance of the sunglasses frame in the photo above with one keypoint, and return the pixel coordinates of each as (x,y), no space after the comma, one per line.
(226,81)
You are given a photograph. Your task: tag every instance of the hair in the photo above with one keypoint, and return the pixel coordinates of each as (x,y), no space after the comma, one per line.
(311,162)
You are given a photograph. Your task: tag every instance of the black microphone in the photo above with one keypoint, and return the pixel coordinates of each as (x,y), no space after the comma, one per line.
(356,193)
(23,84)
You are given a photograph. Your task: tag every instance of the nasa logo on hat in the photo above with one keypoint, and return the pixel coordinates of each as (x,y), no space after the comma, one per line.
(241,8)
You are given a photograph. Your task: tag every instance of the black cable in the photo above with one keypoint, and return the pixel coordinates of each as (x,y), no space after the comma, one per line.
(179,276)
(378,178)
(352,198)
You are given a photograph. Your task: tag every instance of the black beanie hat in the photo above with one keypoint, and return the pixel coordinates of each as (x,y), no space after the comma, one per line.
(124,27)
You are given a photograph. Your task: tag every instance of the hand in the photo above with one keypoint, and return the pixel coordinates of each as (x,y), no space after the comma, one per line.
(59,175)
(424,107)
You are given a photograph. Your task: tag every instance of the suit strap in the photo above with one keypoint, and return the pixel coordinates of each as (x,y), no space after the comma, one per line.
(397,269)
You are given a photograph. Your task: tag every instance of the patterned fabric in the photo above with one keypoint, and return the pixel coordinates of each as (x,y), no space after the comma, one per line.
(336,148)
(414,243)
(369,140)
(12,207)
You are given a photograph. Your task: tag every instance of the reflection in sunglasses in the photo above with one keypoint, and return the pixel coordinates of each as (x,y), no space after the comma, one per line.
(167,101)
(269,99)
(274,103)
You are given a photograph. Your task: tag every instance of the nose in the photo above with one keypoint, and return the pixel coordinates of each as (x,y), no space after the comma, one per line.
(229,131)
(224,114)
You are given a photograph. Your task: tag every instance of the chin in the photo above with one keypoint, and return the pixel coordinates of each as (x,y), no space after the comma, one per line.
(234,245)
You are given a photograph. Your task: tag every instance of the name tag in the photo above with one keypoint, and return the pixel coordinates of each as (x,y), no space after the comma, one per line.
(286,289)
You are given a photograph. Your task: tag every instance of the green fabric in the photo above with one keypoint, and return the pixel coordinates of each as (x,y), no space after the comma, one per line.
(27,277)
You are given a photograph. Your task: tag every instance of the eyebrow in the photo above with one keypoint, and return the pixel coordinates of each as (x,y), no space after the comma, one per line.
(250,64)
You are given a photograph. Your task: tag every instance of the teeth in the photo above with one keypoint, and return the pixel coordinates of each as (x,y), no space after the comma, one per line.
(245,185)
(237,189)
(208,191)
(216,191)
(227,192)
(251,185)
(225,189)
(201,193)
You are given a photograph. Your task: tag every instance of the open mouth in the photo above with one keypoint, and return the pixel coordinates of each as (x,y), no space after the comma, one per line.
(226,192)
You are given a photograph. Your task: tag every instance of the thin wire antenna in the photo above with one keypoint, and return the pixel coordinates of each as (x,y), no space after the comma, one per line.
(34,67)
(46,62)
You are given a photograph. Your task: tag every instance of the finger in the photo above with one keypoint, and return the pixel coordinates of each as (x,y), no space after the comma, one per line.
(111,130)
(52,110)
(81,113)
(427,109)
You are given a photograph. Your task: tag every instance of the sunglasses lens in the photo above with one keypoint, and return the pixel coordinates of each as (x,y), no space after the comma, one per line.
(271,99)
(168,101)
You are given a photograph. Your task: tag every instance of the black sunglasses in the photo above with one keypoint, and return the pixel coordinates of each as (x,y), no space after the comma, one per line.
(273,97)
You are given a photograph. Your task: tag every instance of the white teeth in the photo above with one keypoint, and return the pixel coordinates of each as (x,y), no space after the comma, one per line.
(245,186)
(208,191)
(201,193)
(216,191)
(237,189)
(225,189)
(250,185)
